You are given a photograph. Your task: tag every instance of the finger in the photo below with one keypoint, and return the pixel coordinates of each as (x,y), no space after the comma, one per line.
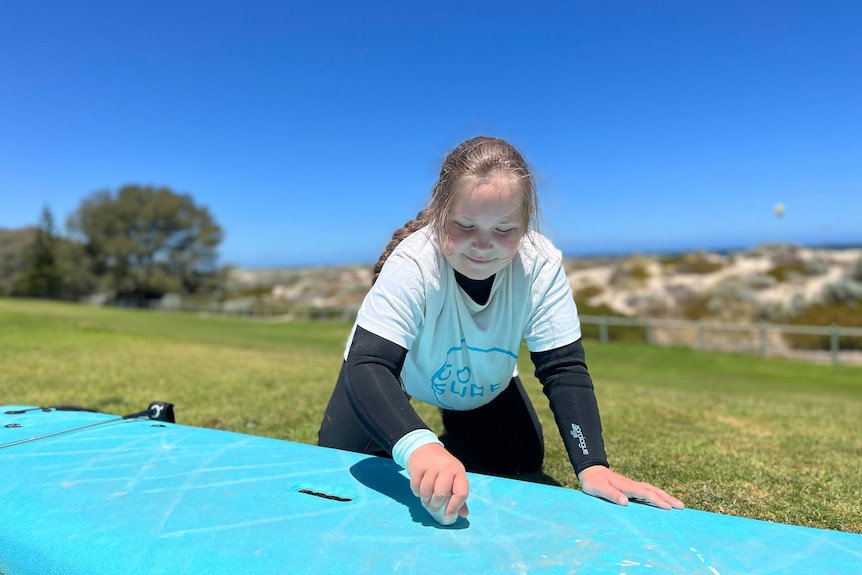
(426,488)
(644,493)
(438,516)
(660,500)
(460,492)
(442,491)
(657,497)
(610,493)
(415,483)
(619,499)
(654,501)
(665,501)
(668,499)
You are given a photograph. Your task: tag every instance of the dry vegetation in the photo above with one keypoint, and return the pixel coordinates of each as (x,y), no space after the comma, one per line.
(778,284)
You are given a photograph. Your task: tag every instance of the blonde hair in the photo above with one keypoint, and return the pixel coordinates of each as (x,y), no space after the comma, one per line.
(473,161)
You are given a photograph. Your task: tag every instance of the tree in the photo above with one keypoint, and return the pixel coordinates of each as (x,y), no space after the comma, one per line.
(41,276)
(144,241)
(75,268)
(14,246)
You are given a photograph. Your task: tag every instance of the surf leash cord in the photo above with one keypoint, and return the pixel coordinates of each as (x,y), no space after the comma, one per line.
(157,411)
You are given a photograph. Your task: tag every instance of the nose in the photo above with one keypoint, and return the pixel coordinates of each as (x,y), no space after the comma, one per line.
(482,241)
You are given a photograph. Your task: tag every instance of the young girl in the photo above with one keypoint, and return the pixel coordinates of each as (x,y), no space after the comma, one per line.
(455,293)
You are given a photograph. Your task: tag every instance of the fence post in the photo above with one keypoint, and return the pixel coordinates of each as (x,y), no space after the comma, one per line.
(701,335)
(603,330)
(762,326)
(648,331)
(833,342)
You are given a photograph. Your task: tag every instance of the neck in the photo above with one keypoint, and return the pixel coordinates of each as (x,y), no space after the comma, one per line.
(478,290)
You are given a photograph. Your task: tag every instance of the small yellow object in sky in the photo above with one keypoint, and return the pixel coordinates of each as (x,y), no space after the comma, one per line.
(779,209)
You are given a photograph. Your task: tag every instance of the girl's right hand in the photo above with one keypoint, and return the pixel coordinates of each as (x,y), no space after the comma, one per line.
(436,476)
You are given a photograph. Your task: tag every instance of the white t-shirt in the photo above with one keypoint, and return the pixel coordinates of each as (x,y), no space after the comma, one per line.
(461,355)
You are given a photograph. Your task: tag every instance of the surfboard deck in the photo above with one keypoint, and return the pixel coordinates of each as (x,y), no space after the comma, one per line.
(140,496)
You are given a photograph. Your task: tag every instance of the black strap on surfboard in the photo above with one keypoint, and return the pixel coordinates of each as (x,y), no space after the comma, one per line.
(157,411)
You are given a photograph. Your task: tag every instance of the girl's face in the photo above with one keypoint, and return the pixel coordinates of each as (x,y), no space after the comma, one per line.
(485,227)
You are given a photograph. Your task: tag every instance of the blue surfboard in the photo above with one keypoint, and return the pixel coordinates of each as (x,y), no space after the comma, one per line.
(137,495)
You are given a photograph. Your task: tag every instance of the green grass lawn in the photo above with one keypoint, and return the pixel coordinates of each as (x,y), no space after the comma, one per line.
(763,438)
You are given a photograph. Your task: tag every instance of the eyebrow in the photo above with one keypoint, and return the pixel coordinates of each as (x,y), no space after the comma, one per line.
(510,221)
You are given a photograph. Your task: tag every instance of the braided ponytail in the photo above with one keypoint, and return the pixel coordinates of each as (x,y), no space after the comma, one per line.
(420,221)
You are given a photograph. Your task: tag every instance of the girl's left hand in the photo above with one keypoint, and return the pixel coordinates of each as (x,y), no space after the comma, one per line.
(600,481)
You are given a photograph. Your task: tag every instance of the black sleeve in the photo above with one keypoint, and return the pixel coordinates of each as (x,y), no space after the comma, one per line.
(567,383)
(374,390)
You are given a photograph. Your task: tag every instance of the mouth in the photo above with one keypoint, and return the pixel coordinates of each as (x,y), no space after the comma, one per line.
(478,262)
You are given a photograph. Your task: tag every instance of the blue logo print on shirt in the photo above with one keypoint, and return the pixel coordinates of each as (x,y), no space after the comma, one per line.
(451,380)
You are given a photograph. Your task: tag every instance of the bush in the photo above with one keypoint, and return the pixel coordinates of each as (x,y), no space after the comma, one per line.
(697,308)
(816,267)
(843,292)
(732,300)
(788,272)
(617,333)
(631,273)
(826,315)
(588,292)
(697,263)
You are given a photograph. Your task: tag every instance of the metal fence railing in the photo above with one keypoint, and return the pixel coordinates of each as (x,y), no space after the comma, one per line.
(761,338)
(824,343)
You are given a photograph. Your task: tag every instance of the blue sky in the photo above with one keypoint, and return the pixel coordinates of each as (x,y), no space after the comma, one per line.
(312,130)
